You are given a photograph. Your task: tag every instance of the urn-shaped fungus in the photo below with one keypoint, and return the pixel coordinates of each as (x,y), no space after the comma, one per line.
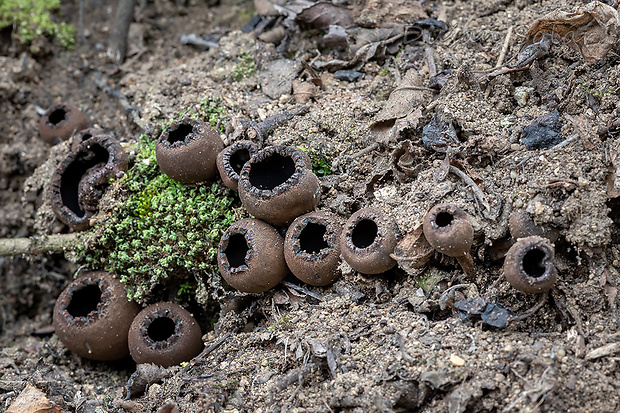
(448,230)
(79,181)
(92,317)
(522,225)
(312,248)
(276,185)
(60,122)
(187,149)
(251,256)
(367,240)
(529,265)
(230,161)
(165,334)
(85,134)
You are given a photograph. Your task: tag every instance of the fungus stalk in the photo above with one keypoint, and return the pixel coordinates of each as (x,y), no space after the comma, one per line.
(39,244)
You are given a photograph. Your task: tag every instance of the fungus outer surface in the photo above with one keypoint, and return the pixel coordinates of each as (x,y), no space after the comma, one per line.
(251,256)
(187,151)
(368,239)
(60,122)
(276,185)
(92,317)
(165,334)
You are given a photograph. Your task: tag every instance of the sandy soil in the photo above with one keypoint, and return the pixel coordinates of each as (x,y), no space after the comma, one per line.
(392,342)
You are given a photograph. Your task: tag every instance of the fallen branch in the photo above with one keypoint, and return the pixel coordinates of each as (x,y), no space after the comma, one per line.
(39,244)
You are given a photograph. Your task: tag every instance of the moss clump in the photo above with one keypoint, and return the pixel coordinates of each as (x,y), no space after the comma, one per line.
(321,165)
(32,19)
(163,230)
(244,68)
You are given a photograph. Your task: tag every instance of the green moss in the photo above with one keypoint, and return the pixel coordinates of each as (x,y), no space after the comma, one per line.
(244,68)
(321,165)
(162,230)
(209,110)
(32,19)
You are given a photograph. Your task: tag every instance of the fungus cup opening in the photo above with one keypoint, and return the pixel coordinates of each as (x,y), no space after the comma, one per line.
(69,185)
(534,263)
(238,159)
(84,300)
(180,133)
(271,172)
(161,329)
(237,250)
(364,233)
(312,238)
(57,116)
(444,219)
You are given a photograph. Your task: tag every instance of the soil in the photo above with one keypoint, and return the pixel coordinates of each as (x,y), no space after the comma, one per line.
(390,342)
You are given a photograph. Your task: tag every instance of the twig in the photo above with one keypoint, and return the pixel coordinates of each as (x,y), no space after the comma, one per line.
(401,344)
(364,151)
(200,358)
(542,299)
(500,60)
(260,131)
(194,40)
(544,386)
(133,110)
(565,142)
(502,54)
(39,244)
(303,290)
(295,376)
(428,51)
(475,188)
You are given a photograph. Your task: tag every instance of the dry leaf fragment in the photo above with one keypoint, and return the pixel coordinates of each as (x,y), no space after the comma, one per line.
(303,91)
(322,15)
(413,251)
(592,29)
(32,400)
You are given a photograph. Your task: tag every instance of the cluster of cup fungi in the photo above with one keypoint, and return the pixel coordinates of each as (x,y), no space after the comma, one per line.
(276,186)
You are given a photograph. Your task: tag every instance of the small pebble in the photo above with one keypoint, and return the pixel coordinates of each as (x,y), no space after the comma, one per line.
(456,361)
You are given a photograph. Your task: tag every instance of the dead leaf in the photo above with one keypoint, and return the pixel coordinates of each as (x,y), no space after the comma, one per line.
(403,100)
(322,15)
(266,7)
(32,400)
(413,251)
(592,29)
(406,158)
(303,91)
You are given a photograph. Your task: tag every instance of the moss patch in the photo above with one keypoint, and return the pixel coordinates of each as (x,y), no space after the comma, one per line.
(32,19)
(164,231)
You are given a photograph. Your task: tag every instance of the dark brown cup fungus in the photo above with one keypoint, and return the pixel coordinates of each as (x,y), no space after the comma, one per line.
(187,149)
(251,256)
(92,317)
(367,241)
(85,134)
(230,161)
(277,186)
(80,180)
(60,122)
(165,334)
(522,225)
(312,248)
(529,265)
(448,230)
